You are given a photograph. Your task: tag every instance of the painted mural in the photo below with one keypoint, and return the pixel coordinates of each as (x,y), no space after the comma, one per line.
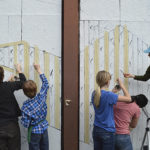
(112,40)
(21,52)
(31,32)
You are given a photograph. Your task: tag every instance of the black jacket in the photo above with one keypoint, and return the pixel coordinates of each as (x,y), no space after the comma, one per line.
(9,108)
(144,77)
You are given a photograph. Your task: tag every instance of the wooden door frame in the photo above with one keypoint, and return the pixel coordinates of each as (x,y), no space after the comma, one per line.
(70,75)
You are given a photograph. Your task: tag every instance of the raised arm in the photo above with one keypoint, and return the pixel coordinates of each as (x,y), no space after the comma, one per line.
(44,80)
(19,70)
(144,77)
(16,85)
(126,97)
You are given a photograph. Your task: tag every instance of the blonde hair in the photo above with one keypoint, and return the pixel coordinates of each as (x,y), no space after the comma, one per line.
(102,79)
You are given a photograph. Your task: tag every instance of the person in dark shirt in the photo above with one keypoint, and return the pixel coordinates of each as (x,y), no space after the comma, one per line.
(10,111)
(144,77)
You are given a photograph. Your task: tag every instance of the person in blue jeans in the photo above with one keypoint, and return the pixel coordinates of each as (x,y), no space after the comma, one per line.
(34,111)
(103,101)
(126,117)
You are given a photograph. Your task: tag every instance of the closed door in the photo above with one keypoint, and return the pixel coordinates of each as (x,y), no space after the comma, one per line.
(70,75)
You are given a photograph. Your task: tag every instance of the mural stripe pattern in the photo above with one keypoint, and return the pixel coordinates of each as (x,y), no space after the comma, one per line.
(57,94)
(106,51)
(26,60)
(86,95)
(126,57)
(8,69)
(36,61)
(116,53)
(96,60)
(23,53)
(46,71)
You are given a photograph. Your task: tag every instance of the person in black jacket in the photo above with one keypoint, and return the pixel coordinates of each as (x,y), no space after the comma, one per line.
(9,111)
(144,77)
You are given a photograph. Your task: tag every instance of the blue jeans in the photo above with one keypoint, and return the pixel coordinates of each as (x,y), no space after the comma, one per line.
(123,142)
(103,140)
(39,141)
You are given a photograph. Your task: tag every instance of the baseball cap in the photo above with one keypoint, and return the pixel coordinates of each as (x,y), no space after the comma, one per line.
(147,50)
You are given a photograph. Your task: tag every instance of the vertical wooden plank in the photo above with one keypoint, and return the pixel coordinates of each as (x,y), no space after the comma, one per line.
(116,53)
(87,44)
(36,61)
(106,50)
(15,54)
(126,56)
(26,60)
(121,52)
(96,60)
(102,54)
(86,95)
(46,71)
(57,94)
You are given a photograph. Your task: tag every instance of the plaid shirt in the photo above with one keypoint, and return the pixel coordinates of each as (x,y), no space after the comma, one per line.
(34,110)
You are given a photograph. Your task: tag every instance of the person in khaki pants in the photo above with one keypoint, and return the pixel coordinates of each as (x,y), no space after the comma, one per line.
(9,112)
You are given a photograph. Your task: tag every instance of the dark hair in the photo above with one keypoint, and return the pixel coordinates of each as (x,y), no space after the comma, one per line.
(141,100)
(30,88)
(1,74)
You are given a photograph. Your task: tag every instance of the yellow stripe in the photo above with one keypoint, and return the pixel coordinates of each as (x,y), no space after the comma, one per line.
(13,43)
(46,71)
(15,54)
(36,61)
(86,95)
(26,60)
(106,51)
(8,69)
(126,53)
(96,60)
(57,94)
(116,54)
